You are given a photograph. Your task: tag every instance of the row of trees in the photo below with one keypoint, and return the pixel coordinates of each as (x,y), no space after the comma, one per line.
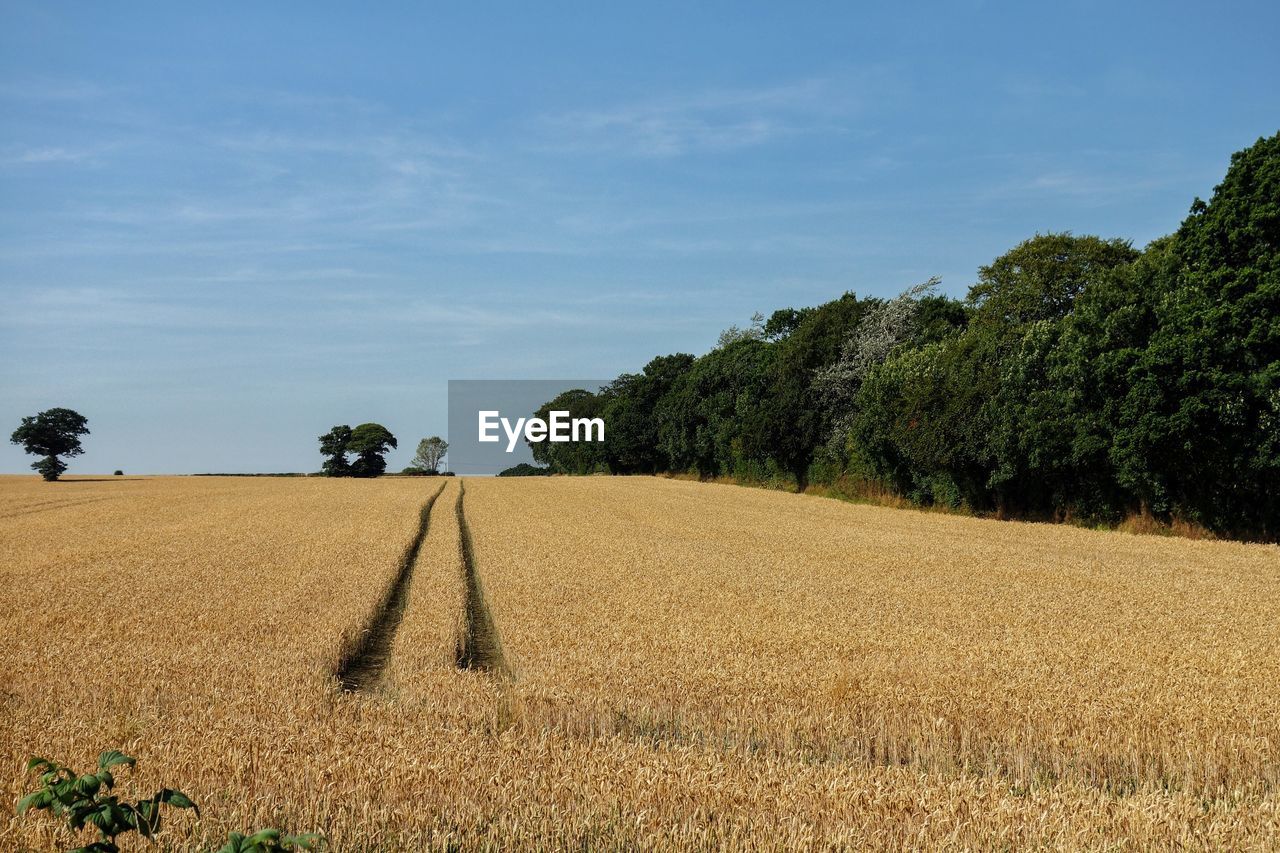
(1079,378)
(369,444)
(55,433)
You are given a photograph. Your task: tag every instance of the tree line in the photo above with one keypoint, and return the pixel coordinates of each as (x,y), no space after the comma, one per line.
(1080,379)
(55,433)
(369,443)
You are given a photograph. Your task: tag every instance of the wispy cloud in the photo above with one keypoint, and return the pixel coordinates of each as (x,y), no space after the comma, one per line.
(1080,185)
(35,156)
(101,308)
(714,120)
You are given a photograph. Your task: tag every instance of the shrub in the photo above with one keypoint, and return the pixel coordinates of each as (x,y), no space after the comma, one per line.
(524,469)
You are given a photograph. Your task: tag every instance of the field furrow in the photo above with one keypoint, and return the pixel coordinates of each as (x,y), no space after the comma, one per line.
(479,643)
(362,667)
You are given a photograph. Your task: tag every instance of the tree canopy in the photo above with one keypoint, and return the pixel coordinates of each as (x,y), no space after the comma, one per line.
(369,442)
(334,446)
(429,453)
(49,435)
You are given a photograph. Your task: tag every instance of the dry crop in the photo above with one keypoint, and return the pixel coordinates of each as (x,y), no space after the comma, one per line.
(668,664)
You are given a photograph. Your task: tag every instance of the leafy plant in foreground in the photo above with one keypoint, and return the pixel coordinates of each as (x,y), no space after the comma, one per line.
(86,800)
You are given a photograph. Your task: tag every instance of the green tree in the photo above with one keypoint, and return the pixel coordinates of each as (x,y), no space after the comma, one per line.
(1079,378)
(572,457)
(631,443)
(1198,431)
(524,469)
(1040,278)
(370,443)
(49,435)
(783,432)
(971,420)
(784,321)
(1070,416)
(701,420)
(913,317)
(753,332)
(914,426)
(334,446)
(1020,305)
(430,452)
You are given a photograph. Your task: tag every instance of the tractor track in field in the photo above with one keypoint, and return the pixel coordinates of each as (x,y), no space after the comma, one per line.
(479,644)
(362,667)
(50,506)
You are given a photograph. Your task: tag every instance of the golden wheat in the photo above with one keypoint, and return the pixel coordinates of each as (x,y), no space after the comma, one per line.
(694,666)
(755,621)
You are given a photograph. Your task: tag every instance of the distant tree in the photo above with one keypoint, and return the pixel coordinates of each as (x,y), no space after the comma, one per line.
(430,452)
(785,428)
(630,402)
(784,321)
(370,442)
(524,469)
(118,473)
(733,334)
(336,444)
(884,327)
(572,457)
(702,418)
(50,434)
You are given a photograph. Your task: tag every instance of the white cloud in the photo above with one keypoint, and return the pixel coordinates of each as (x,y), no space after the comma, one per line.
(714,119)
(44,154)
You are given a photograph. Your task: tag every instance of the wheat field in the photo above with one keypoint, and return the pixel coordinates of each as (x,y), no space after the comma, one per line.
(634,663)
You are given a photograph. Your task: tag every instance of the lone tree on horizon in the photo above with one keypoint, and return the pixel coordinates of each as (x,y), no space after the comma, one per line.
(368,441)
(50,434)
(430,452)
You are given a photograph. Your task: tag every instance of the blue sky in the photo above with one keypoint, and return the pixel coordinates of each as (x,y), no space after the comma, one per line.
(227,227)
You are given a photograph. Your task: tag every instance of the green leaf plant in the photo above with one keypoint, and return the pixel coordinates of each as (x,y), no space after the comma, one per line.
(86,800)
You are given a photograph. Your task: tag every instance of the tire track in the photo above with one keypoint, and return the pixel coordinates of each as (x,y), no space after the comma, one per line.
(361,667)
(51,506)
(479,644)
